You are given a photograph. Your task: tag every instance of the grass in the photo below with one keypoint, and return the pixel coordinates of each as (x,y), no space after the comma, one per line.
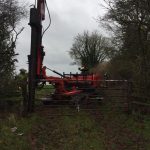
(147,131)
(12,140)
(68,133)
(48,89)
(106,129)
(83,131)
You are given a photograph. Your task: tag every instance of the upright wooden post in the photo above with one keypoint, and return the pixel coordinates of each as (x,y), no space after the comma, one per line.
(32,58)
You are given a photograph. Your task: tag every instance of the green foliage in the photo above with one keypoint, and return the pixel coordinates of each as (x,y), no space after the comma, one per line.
(13,140)
(8,87)
(10,15)
(129,21)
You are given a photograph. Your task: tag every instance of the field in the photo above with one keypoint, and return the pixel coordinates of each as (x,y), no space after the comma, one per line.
(64,128)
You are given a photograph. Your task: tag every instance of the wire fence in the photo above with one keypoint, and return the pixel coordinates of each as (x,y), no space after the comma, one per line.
(121,93)
(125,94)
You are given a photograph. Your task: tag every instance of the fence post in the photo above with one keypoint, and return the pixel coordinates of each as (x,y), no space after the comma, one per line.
(129,96)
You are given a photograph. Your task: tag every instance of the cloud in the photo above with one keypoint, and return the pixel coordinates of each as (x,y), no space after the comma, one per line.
(69,17)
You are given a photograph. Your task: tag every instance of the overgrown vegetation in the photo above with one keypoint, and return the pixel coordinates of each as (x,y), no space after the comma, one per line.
(129,22)
(10,15)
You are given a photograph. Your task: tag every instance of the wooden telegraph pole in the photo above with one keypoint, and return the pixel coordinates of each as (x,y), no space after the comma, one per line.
(37,15)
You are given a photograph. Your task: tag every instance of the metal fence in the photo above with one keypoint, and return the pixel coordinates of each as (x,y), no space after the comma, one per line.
(123,94)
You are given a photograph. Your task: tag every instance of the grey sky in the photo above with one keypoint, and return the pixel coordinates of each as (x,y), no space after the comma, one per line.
(69,17)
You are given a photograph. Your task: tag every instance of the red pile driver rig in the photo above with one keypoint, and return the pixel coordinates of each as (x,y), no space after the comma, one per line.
(67,86)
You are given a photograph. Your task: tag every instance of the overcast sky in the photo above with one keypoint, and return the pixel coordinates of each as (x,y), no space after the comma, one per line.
(69,17)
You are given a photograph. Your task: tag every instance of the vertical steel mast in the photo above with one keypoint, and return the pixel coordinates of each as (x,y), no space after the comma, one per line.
(37,15)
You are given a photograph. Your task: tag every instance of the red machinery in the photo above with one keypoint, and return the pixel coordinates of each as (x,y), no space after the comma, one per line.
(67,85)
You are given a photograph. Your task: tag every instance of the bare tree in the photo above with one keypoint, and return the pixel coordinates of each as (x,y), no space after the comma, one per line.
(90,49)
